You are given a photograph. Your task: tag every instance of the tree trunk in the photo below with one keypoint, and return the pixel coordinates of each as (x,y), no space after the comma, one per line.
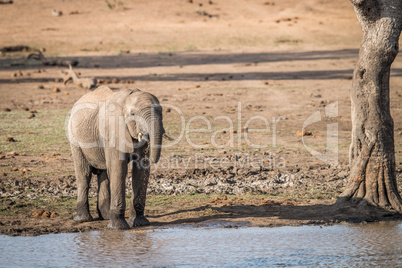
(372,152)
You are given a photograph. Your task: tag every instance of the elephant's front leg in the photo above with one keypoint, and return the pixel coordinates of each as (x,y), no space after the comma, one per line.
(117,174)
(140,176)
(83,175)
(103,205)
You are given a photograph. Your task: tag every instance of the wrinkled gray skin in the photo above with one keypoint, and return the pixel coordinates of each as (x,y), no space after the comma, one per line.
(105,129)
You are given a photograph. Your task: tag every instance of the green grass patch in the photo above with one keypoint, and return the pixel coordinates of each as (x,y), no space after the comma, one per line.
(43,133)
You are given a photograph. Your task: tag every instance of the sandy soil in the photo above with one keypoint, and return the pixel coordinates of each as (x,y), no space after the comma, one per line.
(264,65)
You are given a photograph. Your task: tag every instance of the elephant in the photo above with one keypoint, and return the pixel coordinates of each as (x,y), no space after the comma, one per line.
(106,131)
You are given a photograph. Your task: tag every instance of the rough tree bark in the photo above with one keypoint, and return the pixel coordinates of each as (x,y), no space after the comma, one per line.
(372,152)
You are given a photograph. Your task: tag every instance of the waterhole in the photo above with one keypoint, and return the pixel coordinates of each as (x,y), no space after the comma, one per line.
(319,246)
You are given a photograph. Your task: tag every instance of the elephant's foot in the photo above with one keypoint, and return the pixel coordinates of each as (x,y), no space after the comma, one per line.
(118,224)
(139,221)
(104,215)
(83,217)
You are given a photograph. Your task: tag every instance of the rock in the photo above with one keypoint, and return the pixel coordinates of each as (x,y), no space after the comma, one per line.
(2,156)
(54,215)
(303,132)
(7,109)
(14,169)
(41,87)
(38,213)
(10,139)
(13,153)
(46,214)
(31,116)
(56,90)
(4,174)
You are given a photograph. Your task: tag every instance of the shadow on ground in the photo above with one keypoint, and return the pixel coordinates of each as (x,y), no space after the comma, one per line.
(286,214)
(146,60)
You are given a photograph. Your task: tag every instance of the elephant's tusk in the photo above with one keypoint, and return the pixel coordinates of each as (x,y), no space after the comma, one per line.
(167,137)
(143,139)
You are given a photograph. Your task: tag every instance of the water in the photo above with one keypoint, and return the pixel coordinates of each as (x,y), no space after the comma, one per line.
(336,246)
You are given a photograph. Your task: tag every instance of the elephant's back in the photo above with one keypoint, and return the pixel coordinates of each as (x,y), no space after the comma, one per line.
(101,94)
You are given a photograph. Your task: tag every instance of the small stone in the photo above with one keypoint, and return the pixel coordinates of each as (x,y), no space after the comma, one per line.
(31,116)
(7,109)
(168,110)
(10,139)
(14,169)
(26,109)
(303,132)
(66,93)
(29,132)
(222,132)
(24,170)
(23,154)
(115,81)
(33,111)
(41,87)
(2,156)
(54,215)
(4,174)
(38,213)
(317,136)
(58,80)
(46,214)
(56,90)
(400,133)
(244,129)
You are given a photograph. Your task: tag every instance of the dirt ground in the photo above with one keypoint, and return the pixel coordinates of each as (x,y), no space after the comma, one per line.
(237,81)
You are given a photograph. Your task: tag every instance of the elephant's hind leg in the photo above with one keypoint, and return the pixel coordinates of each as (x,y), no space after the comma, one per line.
(83,174)
(103,205)
(140,176)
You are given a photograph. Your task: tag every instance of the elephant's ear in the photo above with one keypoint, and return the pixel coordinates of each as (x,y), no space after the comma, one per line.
(134,90)
(121,96)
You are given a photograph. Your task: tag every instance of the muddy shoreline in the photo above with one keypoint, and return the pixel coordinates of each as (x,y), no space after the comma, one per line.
(254,197)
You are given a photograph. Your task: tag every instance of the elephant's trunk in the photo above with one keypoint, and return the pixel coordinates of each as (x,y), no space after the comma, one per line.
(156,131)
